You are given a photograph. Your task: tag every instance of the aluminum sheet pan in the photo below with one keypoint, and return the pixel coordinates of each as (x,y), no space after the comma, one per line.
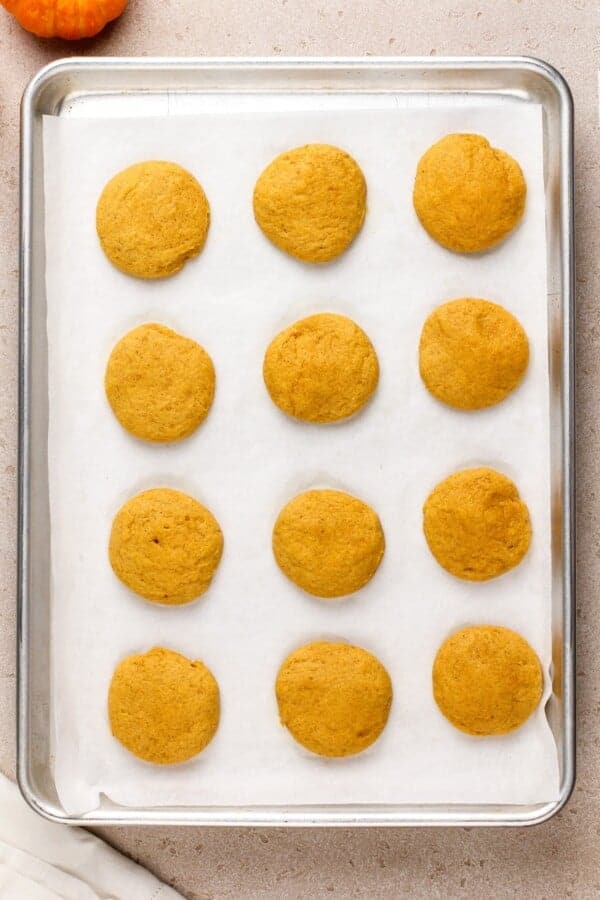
(129,87)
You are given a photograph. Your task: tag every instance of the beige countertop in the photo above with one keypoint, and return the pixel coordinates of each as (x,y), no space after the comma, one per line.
(559,859)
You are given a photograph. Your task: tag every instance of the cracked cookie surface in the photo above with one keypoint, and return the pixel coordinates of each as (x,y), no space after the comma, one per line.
(476,524)
(467,194)
(151,218)
(311,202)
(321,369)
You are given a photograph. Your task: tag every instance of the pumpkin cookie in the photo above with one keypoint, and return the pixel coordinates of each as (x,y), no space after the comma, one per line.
(487,680)
(328,542)
(468,195)
(151,218)
(165,546)
(476,524)
(472,353)
(321,369)
(311,202)
(334,698)
(159,384)
(162,706)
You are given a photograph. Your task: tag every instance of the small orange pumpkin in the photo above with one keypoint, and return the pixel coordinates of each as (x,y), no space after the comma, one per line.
(68,19)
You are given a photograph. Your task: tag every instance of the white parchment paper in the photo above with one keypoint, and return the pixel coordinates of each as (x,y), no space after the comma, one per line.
(248,459)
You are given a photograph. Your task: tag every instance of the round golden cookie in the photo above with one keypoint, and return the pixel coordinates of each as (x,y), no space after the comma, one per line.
(162,706)
(165,546)
(151,218)
(321,369)
(468,195)
(334,698)
(476,524)
(487,680)
(311,202)
(472,353)
(328,542)
(159,384)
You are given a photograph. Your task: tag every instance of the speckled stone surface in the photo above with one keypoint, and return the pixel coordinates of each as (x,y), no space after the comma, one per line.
(560,859)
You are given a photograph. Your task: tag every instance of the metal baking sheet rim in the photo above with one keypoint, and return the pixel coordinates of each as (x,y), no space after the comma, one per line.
(456,69)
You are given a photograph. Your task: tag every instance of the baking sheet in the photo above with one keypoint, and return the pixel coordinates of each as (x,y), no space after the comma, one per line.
(248,459)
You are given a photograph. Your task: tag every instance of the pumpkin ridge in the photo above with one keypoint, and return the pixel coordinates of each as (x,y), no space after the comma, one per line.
(66,19)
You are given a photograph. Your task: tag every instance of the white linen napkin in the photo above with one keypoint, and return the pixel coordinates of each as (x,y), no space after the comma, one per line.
(41,860)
